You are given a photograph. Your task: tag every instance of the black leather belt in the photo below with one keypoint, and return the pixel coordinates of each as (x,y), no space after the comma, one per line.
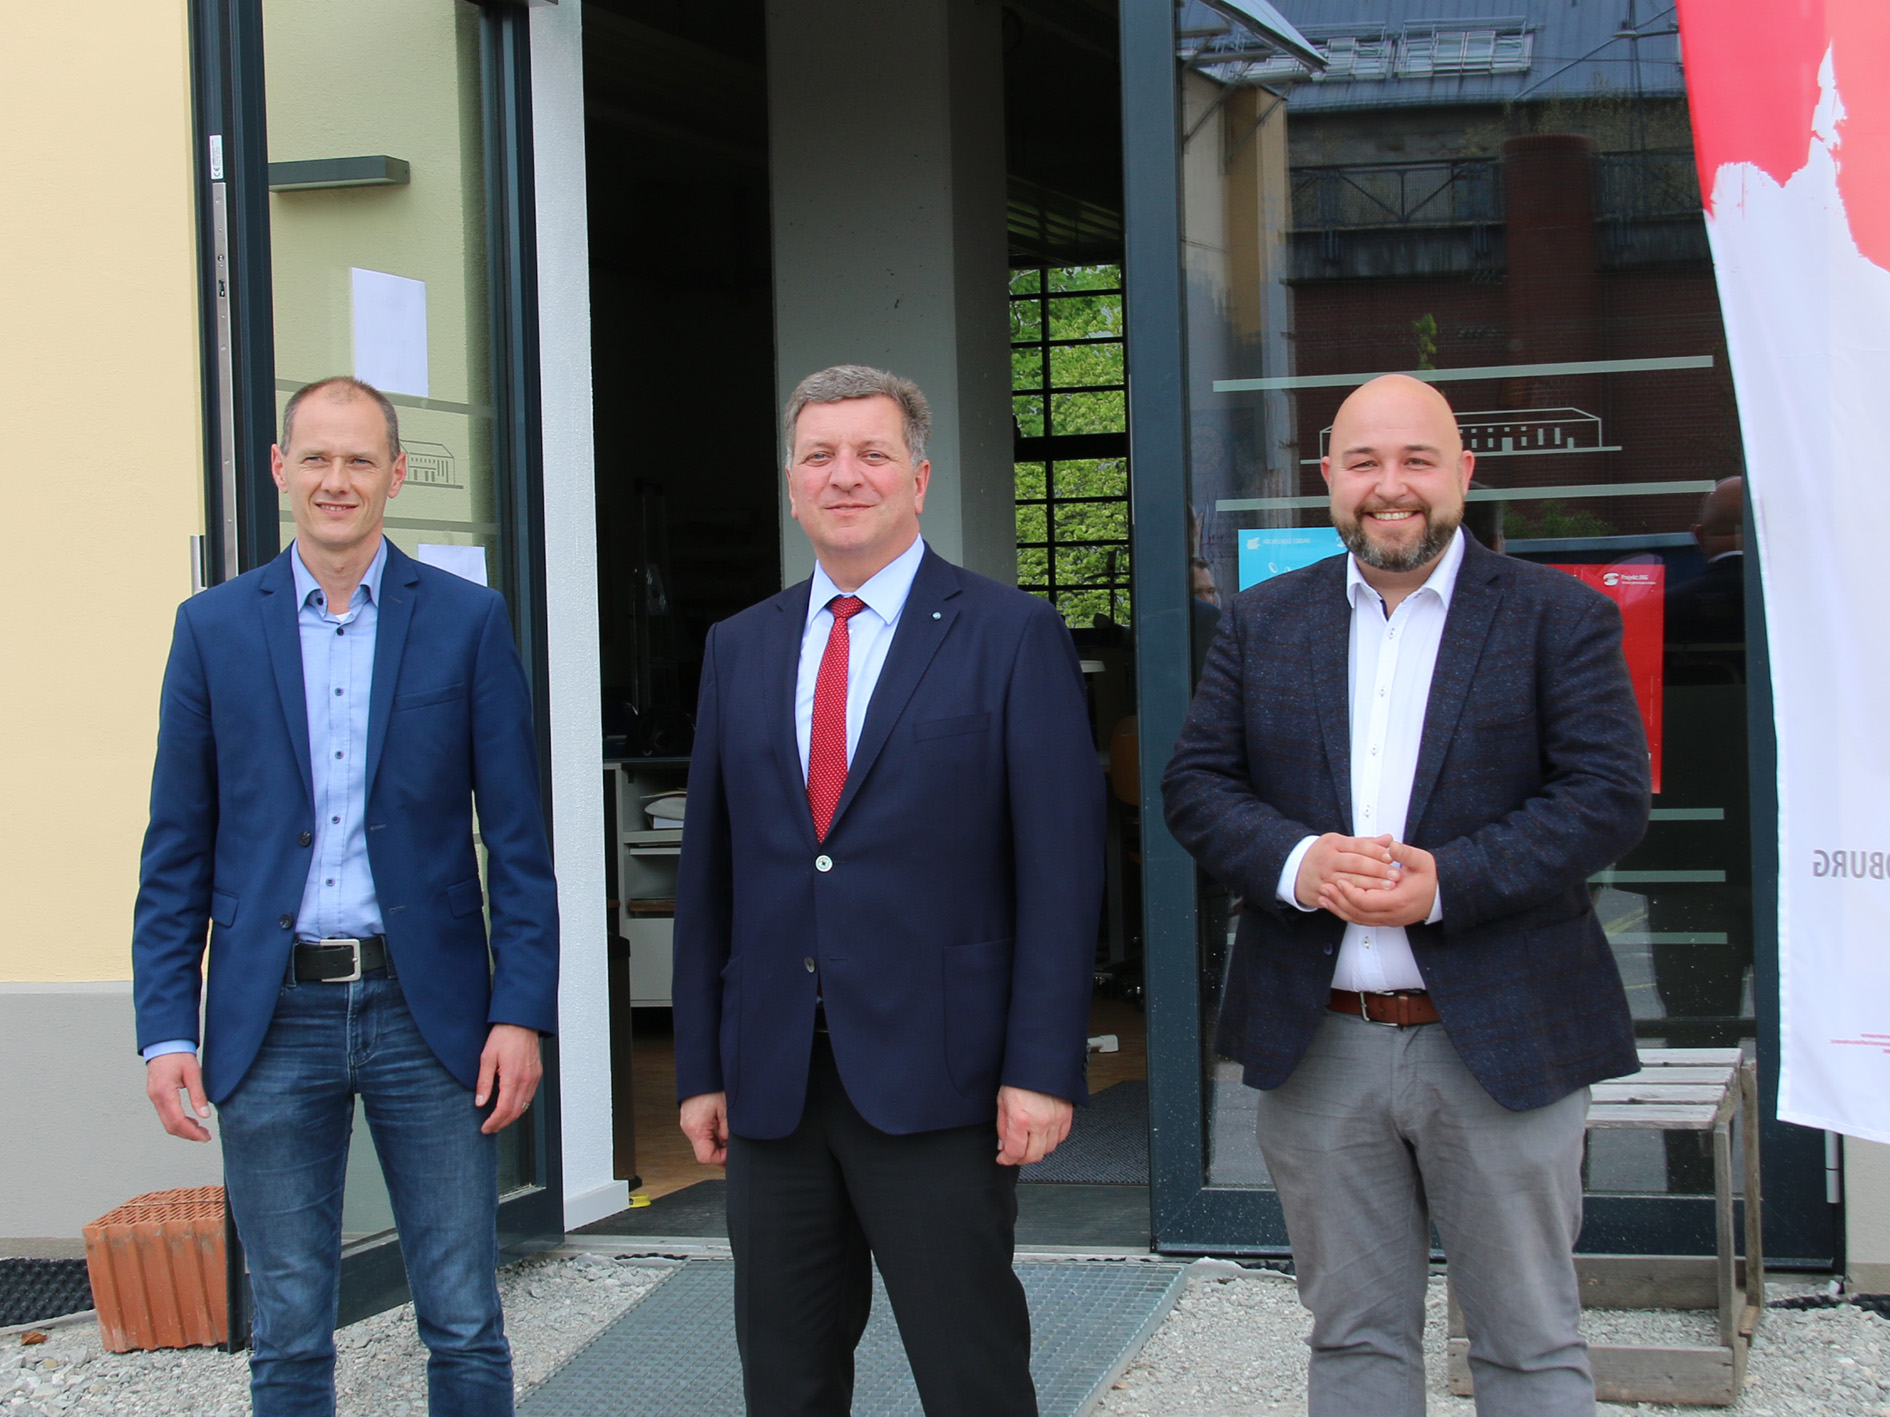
(340,961)
(1400,1008)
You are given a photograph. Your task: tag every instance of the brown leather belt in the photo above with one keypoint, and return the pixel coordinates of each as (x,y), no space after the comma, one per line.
(1401,1008)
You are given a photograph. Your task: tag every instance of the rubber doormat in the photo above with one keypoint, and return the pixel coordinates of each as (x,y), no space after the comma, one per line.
(1107,1144)
(31,1290)
(673,1355)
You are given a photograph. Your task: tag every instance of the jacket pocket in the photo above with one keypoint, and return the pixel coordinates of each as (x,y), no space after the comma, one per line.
(223,908)
(947,727)
(421,698)
(465,898)
(977,1010)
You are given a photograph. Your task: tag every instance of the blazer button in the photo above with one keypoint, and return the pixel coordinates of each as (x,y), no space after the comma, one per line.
(305,838)
(286,921)
(1327,949)
(823,863)
(809,962)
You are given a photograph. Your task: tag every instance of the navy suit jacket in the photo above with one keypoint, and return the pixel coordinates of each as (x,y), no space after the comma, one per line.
(1532,775)
(450,717)
(953,931)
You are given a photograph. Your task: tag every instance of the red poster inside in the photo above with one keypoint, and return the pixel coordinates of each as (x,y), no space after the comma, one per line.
(1639,588)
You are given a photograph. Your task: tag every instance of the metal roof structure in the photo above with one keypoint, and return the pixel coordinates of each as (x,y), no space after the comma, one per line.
(1394,53)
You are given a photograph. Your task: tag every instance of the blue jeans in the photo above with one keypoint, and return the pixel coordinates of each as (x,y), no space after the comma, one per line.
(285,1158)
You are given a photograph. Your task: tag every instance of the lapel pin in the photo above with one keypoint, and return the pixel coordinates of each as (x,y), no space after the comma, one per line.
(935,615)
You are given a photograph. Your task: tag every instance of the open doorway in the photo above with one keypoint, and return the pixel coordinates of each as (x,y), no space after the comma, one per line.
(684,345)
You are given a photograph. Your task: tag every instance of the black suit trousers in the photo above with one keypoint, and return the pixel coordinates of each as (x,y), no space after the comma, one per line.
(809,1214)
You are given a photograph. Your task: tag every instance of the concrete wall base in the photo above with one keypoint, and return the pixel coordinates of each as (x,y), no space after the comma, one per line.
(85,1137)
(595,1204)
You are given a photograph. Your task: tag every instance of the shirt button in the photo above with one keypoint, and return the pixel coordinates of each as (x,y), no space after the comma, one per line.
(304,839)
(821,863)
(809,962)
(337,693)
(285,921)
(337,752)
(335,820)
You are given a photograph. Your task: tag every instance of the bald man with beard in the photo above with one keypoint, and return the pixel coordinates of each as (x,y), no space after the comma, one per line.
(1407,761)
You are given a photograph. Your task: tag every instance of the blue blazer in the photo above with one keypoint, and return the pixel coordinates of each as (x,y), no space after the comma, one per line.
(450,716)
(1532,775)
(953,931)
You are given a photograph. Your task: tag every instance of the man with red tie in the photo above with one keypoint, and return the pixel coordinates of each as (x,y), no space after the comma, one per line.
(885,927)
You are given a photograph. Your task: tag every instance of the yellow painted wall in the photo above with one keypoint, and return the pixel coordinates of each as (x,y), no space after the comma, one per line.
(103,449)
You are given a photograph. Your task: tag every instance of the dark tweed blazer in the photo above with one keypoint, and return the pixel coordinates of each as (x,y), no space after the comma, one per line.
(1532,775)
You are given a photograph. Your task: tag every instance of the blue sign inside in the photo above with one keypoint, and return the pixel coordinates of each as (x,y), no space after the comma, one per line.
(1272,551)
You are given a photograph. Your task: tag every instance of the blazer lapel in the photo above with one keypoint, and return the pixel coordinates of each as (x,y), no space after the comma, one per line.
(400,587)
(1329,631)
(1466,629)
(284,638)
(779,681)
(921,630)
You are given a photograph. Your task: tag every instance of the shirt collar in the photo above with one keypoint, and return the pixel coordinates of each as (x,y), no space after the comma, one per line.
(1442,581)
(306,584)
(885,594)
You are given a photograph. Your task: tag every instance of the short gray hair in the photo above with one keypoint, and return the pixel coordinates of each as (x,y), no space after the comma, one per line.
(342,387)
(857,381)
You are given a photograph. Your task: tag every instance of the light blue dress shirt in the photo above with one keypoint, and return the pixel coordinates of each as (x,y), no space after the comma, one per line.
(869,637)
(338,898)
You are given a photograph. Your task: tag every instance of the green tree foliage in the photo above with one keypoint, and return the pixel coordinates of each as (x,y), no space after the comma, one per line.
(1068,379)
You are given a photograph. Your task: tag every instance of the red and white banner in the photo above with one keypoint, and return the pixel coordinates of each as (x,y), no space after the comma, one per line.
(1791,120)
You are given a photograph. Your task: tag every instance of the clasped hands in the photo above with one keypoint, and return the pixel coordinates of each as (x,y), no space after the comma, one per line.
(1367,880)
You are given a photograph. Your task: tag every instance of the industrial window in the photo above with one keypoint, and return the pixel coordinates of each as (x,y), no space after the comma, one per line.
(1070,413)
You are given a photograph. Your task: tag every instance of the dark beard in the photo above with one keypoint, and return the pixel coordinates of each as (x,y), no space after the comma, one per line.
(1439,528)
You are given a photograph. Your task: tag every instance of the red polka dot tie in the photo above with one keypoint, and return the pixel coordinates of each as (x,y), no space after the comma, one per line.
(827,743)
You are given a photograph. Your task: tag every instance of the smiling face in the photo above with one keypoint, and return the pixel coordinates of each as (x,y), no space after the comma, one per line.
(852,486)
(337,475)
(1397,473)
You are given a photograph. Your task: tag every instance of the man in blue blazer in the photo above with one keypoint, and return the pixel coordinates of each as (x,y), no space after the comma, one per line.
(885,927)
(1407,762)
(327,723)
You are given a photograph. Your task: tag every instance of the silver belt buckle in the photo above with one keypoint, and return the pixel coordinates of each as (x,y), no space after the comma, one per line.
(1364,1009)
(354,945)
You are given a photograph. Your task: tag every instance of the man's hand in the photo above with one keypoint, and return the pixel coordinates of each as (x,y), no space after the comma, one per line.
(512,1053)
(1408,901)
(164,1075)
(1363,861)
(705,1123)
(1030,1125)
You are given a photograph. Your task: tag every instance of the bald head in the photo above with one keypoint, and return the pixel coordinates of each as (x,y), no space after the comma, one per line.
(1722,525)
(1396,400)
(1397,471)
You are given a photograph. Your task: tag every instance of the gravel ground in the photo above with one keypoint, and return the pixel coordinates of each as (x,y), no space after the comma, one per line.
(552,1307)
(1235,1344)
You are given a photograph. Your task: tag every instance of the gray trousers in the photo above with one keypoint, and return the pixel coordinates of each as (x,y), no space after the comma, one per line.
(1381,1131)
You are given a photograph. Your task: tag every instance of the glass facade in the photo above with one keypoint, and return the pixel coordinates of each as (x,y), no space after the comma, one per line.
(380,248)
(1488,209)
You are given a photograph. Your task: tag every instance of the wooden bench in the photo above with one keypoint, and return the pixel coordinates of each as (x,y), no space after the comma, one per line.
(1677,1089)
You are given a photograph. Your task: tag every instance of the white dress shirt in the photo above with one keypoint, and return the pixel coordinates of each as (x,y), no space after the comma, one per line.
(1389,676)
(869,637)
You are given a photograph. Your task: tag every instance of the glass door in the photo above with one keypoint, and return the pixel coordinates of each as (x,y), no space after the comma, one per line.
(391,241)
(1439,198)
